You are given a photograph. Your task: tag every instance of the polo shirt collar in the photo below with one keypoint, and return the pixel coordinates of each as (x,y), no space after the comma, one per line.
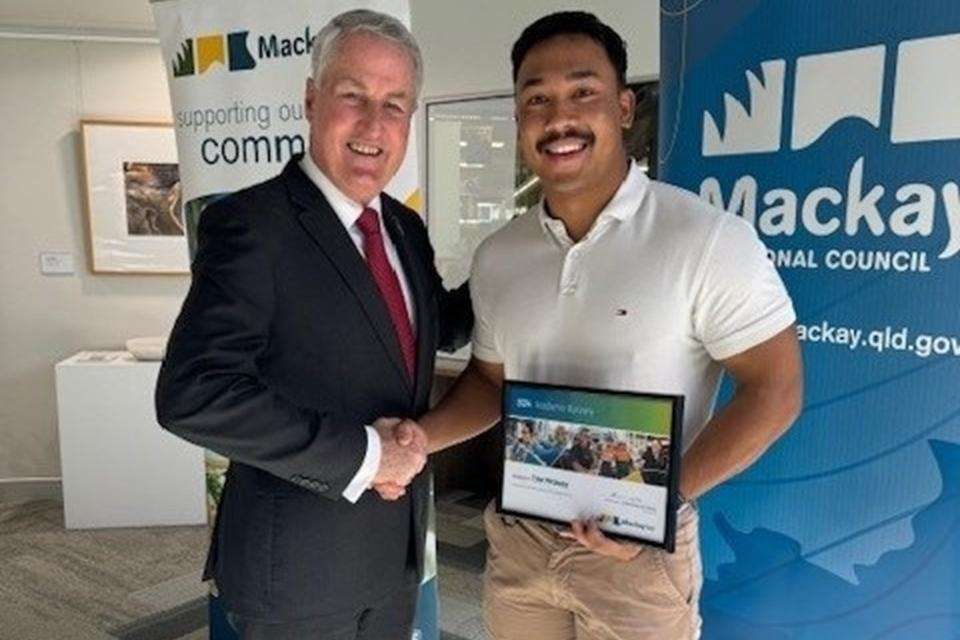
(622,206)
(626,201)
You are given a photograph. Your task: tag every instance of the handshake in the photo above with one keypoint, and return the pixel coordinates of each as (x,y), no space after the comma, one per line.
(403,454)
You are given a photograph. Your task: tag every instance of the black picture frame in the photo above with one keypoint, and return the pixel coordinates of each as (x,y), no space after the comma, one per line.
(673,468)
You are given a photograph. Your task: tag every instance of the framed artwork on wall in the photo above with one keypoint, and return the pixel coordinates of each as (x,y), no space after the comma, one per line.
(134,209)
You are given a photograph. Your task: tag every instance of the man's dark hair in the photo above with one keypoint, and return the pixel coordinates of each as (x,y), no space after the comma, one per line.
(572,23)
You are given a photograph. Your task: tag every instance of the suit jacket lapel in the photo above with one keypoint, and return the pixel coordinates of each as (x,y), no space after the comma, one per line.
(417,279)
(325,228)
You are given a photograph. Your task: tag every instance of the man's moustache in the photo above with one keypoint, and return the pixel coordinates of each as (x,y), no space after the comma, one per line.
(586,136)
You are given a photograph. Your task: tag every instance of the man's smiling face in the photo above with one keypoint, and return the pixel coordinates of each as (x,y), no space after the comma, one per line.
(570,112)
(360,114)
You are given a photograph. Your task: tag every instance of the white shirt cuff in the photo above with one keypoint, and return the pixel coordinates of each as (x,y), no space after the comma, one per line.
(368,468)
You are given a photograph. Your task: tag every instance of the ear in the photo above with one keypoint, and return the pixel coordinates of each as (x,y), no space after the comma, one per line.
(628,105)
(309,95)
(516,119)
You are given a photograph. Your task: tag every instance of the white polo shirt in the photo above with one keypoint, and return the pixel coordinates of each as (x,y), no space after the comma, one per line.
(661,288)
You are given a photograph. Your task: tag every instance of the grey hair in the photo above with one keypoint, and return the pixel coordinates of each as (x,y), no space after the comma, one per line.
(325,43)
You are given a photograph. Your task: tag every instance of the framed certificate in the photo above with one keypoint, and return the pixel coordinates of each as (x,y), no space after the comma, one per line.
(575,453)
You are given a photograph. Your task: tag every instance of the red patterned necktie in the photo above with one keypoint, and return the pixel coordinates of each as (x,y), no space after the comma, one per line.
(389,286)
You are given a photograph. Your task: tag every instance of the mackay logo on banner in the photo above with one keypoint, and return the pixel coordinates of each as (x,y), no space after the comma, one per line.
(834,129)
(829,88)
(231,51)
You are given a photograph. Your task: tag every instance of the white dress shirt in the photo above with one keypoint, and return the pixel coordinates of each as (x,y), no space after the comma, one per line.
(348,211)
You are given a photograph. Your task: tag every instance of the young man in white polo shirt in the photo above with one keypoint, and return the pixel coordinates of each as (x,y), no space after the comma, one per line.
(618,282)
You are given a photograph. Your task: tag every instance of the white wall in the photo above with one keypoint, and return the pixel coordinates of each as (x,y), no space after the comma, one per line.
(132,15)
(466,43)
(47,87)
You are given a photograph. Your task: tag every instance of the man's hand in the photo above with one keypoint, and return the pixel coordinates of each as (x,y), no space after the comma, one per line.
(409,433)
(403,455)
(588,533)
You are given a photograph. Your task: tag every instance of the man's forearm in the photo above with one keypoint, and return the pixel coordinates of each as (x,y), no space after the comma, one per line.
(737,436)
(470,407)
(456,318)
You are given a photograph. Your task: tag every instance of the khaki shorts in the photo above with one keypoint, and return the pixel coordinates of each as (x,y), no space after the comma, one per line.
(539,586)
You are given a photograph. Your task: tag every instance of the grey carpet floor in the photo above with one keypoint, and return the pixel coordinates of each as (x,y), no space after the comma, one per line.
(143,584)
(56,583)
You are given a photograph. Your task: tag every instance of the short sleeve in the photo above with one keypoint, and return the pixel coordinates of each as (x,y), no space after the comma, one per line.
(485,345)
(740,300)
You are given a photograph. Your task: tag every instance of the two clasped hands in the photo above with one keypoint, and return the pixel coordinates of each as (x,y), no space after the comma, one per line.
(403,454)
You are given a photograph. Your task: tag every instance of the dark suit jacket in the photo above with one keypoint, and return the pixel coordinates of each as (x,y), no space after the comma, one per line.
(283,350)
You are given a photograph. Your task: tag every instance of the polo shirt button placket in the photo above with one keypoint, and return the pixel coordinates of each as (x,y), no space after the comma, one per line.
(570,275)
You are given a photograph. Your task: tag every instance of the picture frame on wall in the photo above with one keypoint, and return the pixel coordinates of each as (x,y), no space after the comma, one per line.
(134,209)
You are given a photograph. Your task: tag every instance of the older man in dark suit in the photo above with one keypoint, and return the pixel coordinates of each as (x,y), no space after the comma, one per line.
(315,311)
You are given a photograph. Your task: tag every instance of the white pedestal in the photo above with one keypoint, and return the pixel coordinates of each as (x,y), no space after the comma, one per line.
(119,468)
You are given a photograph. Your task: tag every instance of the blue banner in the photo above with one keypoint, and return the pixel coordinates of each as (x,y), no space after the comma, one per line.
(834,128)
